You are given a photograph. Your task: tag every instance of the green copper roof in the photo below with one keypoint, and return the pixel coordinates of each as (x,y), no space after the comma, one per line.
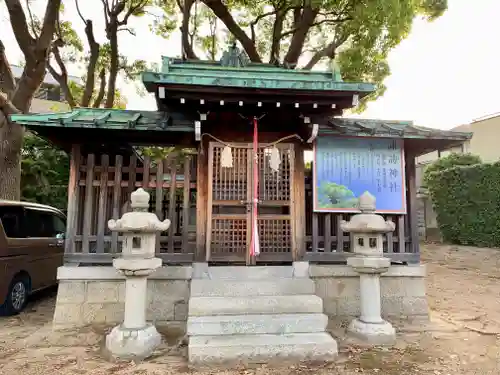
(106,119)
(382,128)
(235,70)
(93,118)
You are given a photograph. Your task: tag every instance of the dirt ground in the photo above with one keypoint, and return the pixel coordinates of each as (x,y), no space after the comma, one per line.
(463,336)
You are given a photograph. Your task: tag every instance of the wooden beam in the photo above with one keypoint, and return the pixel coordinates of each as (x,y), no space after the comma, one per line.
(89,200)
(411,199)
(201,199)
(103,201)
(298,203)
(73,198)
(117,191)
(186,204)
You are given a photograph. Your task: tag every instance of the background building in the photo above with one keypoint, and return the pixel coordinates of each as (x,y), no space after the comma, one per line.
(49,97)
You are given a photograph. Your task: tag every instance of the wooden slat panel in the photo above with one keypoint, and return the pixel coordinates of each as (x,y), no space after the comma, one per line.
(159,198)
(340,233)
(132,176)
(390,244)
(401,234)
(171,209)
(328,233)
(116,199)
(145,172)
(103,201)
(89,191)
(73,198)
(185,204)
(315,231)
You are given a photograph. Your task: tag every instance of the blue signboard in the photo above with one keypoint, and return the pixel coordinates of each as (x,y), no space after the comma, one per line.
(345,167)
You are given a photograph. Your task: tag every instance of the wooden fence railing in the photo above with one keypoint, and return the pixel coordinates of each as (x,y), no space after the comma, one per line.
(100,189)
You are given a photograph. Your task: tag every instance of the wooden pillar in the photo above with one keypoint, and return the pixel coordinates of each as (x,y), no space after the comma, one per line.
(411,201)
(73,198)
(201,200)
(298,204)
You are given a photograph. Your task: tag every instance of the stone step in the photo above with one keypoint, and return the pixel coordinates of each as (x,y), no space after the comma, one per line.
(206,306)
(234,288)
(256,324)
(253,348)
(249,273)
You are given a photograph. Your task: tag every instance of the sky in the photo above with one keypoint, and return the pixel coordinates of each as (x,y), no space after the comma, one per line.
(443,75)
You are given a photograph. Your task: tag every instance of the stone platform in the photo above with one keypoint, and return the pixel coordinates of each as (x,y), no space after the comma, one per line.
(256,314)
(95,295)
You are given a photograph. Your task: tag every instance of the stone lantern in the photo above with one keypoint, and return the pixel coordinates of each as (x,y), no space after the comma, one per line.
(135,338)
(367,230)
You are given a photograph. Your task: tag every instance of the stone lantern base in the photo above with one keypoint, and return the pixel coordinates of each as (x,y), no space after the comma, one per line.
(132,343)
(382,333)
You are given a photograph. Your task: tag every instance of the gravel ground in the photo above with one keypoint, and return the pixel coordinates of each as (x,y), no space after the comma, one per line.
(463,336)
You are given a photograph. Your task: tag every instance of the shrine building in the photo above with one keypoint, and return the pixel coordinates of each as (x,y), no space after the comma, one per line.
(256,168)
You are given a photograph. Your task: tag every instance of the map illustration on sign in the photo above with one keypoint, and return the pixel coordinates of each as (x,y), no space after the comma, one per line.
(346,167)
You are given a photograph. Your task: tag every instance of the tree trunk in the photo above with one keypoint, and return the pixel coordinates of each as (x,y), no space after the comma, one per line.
(36,52)
(10,162)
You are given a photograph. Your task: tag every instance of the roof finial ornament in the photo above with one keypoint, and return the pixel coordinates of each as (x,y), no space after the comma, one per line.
(234,57)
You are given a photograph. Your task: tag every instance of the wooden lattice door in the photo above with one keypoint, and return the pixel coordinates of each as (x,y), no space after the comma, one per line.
(229,221)
(229,190)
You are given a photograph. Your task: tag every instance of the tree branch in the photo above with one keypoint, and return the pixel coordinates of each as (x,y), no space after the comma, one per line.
(113,63)
(79,12)
(61,78)
(49,24)
(276,37)
(300,34)
(20,26)
(91,67)
(102,89)
(32,20)
(315,24)
(222,12)
(328,51)
(256,21)
(7,81)
(187,47)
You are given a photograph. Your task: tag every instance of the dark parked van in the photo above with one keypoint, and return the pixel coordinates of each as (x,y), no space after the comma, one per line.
(31,250)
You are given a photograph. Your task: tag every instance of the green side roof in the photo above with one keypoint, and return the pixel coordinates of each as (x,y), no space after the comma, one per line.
(120,119)
(235,70)
(383,128)
(105,118)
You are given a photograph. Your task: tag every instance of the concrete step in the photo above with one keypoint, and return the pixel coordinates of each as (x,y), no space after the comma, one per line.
(256,324)
(253,348)
(249,273)
(233,288)
(206,306)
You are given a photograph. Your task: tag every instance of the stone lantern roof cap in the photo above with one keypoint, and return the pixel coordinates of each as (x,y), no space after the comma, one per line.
(139,220)
(367,221)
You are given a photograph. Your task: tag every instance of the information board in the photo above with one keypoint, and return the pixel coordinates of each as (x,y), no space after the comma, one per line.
(346,167)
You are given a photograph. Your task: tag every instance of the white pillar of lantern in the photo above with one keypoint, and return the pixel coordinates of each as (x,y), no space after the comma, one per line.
(135,338)
(367,230)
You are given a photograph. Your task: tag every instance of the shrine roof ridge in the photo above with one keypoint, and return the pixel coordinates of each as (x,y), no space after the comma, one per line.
(252,75)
